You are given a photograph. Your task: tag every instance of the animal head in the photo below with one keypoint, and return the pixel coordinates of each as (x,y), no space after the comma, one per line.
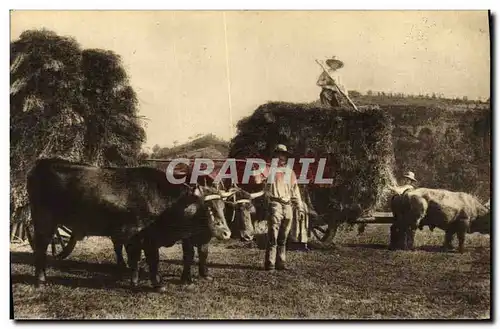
(242,203)
(482,224)
(210,204)
(485,209)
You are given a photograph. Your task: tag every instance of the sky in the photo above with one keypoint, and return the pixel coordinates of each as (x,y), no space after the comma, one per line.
(202,71)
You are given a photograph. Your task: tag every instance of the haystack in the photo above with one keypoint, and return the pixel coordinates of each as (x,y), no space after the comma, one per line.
(357,146)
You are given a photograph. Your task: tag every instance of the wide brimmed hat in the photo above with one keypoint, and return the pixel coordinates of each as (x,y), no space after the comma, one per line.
(280,148)
(410,175)
(334,64)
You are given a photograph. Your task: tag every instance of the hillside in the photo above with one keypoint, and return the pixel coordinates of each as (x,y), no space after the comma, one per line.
(207,146)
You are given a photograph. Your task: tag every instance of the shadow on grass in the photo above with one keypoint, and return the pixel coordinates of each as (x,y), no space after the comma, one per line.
(260,242)
(433,248)
(69,265)
(244,245)
(368,245)
(100,282)
(214,265)
(101,276)
(426,248)
(440,249)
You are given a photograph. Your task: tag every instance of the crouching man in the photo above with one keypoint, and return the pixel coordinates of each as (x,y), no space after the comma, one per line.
(282,192)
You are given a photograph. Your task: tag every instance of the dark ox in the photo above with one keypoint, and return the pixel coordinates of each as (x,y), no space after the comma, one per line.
(454,212)
(136,207)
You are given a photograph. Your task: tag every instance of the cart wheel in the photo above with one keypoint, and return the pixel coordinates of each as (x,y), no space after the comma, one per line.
(62,244)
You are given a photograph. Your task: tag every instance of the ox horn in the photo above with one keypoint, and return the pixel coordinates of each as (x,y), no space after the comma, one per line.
(197,191)
(211,197)
(229,193)
(256,194)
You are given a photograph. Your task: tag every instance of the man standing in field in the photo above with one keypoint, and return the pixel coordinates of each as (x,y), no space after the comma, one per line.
(330,83)
(281,192)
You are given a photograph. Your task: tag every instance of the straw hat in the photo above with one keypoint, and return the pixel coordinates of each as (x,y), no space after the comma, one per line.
(334,64)
(280,148)
(410,175)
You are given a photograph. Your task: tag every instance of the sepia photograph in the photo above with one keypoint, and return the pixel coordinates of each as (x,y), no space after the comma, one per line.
(250,164)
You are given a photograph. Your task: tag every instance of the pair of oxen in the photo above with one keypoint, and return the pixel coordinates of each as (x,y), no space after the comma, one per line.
(136,207)
(457,213)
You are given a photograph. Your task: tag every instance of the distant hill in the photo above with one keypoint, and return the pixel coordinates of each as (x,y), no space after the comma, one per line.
(207,146)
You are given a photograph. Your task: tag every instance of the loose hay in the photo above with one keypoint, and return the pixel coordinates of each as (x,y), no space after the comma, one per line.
(357,146)
(70,103)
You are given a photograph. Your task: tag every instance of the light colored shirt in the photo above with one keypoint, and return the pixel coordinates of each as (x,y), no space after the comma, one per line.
(329,81)
(284,190)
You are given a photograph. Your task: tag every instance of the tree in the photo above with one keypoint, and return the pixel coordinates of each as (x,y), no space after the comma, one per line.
(64,104)
(142,156)
(156,148)
(369,93)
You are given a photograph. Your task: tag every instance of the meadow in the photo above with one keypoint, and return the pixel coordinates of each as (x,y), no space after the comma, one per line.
(358,278)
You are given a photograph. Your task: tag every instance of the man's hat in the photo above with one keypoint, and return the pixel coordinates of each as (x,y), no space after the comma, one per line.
(410,175)
(280,148)
(334,64)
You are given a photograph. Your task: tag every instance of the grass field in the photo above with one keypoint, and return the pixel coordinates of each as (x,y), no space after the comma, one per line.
(358,279)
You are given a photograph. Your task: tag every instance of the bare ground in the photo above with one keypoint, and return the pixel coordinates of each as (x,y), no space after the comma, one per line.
(359,279)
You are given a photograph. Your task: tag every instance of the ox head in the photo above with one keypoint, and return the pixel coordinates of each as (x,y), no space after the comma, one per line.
(211,205)
(482,224)
(244,209)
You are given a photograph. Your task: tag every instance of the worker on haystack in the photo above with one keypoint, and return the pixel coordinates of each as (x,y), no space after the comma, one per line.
(281,192)
(330,83)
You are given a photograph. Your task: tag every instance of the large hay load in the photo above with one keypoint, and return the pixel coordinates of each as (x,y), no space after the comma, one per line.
(357,146)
